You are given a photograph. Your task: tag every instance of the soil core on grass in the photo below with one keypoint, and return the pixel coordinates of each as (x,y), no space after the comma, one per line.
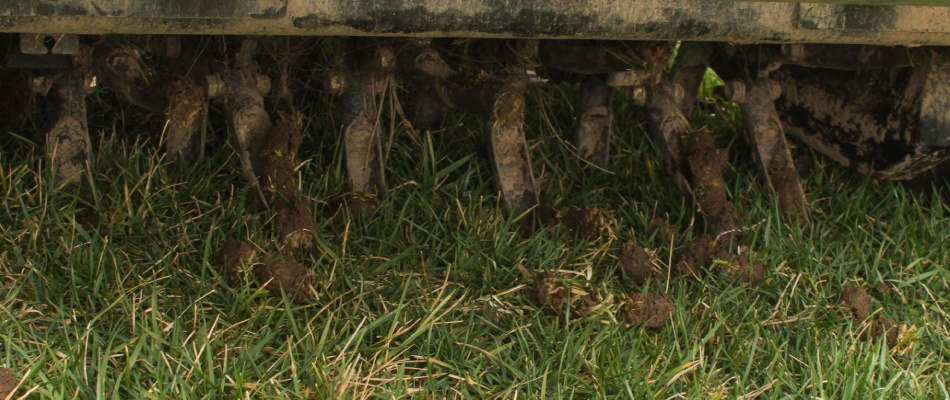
(636,264)
(706,163)
(786,186)
(88,219)
(278,166)
(652,310)
(234,256)
(360,204)
(858,302)
(282,272)
(586,223)
(698,254)
(589,305)
(663,229)
(8,383)
(741,268)
(551,294)
(295,225)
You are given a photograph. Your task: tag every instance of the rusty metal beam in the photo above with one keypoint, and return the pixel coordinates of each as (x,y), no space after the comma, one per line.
(742,22)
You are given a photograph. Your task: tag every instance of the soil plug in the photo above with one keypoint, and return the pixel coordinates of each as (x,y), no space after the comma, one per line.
(235,257)
(651,310)
(636,264)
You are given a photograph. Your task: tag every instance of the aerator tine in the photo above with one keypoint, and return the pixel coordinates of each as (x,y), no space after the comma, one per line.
(178,98)
(746,71)
(500,99)
(360,93)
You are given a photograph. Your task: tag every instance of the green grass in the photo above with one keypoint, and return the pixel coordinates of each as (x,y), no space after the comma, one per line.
(428,298)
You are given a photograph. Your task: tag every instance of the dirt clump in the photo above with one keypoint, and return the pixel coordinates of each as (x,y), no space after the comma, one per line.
(741,268)
(360,204)
(589,223)
(185,99)
(663,229)
(857,301)
(8,383)
(295,225)
(281,272)
(551,293)
(637,265)
(893,332)
(278,166)
(882,288)
(543,216)
(705,163)
(590,304)
(184,108)
(698,254)
(233,257)
(651,310)
(586,223)
(88,219)
(787,189)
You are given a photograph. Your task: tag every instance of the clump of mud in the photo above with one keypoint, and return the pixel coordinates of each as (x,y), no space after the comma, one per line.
(360,204)
(544,216)
(283,273)
(587,223)
(8,383)
(185,99)
(705,163)
(184,107)
(785,184)
(278,164)
(698,254)
(552,294)
(591,304)
(234,257)
(651,310)
(275,272)
(857,302)
(637,265)
(741,268)
(88,219)
(706,252)
(295,224)
(663,229)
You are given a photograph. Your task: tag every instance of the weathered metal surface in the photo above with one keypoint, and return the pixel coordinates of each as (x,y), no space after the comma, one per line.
(864,18)
(239,9)
(743,22)
(870,2)
(934,129)
(845,57)
(870,120)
